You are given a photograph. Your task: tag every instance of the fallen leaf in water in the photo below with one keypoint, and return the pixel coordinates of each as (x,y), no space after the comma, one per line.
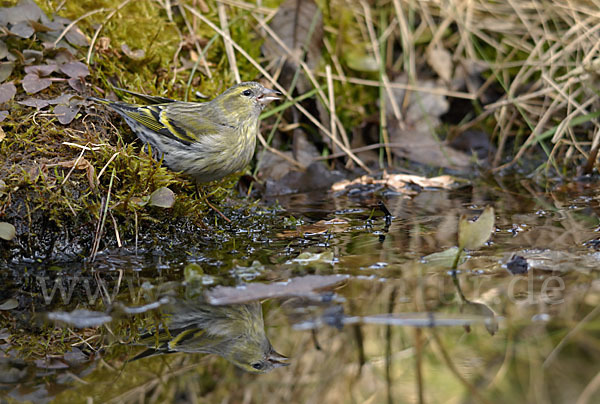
(443,259)
(310,258)
(301,286)
(473,235)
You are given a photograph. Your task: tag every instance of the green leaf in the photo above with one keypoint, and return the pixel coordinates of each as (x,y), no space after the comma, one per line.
(443,259)
(472,235)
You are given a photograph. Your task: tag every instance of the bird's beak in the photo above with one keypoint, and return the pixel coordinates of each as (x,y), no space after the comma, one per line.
(267,95)
(277,359)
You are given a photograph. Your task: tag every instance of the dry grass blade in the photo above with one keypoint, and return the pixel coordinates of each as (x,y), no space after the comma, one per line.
(74,22)
(331,100)
(384,77)
(227,41)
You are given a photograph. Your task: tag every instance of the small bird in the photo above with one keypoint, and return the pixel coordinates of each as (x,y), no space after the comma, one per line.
(207,140)
(235,332)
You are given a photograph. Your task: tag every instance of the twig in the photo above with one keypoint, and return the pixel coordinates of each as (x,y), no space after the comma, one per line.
(74,22)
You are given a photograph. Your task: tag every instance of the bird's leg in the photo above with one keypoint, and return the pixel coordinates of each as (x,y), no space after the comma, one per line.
(205,198)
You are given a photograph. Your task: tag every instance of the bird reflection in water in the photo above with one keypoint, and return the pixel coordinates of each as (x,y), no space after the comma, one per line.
(235,332)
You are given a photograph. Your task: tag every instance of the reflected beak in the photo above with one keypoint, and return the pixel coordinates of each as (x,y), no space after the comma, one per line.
(277,359)
(269,95)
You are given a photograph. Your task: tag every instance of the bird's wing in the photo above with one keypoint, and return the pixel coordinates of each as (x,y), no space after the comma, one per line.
(191,121)
(185,122)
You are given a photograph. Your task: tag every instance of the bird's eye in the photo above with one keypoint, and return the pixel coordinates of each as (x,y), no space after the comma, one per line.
(257,365)
(247,93)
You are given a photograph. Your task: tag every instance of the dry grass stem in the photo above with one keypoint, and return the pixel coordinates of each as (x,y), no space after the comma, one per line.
(227,41)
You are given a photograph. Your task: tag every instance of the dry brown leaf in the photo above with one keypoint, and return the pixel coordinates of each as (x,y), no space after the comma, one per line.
(82,164)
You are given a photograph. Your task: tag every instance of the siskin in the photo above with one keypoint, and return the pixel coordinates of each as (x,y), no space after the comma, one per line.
(235,332)
(206,141)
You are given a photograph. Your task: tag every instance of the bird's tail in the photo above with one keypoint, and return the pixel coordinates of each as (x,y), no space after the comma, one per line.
(99,100)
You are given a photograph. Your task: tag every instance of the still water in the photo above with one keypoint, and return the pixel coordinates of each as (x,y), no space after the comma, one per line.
(324,298)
